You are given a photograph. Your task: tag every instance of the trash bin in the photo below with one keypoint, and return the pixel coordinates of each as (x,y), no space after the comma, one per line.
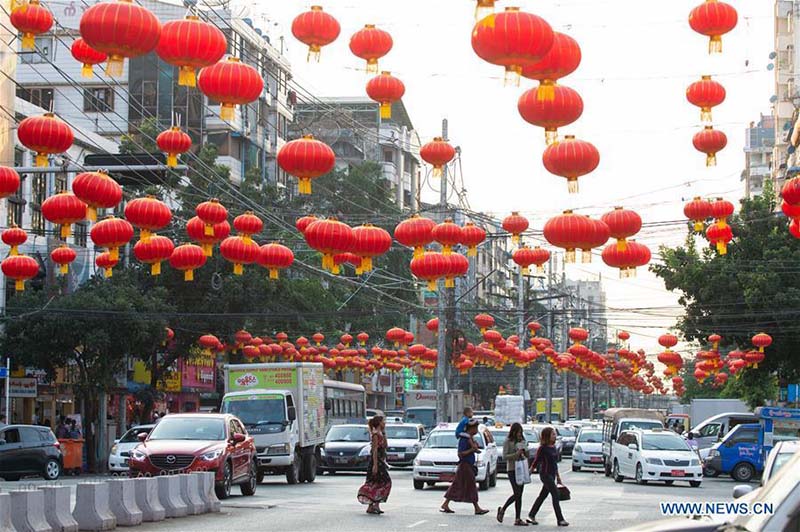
(73,455)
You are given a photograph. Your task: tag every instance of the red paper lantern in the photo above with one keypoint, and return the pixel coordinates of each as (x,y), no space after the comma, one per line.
(329,237)
(302,223)
(448,235)
(627,260)
(433,325)
(211,212)
(20,268)
(370,44)
(396,335)
(187,258)
(190,44)
(720,237)
(571,231)
(561,60)
(792,211)
(459,266)
(231,83)
(106,262)
(516,225)
(237,250)
(14,237)
(64,209)
(791,191)
(794,228)
(88,56)
(120,29)
(369,242)
(306,159)
(149,214)
(247,225)
(710,141)
(698,210)
(721,210)
(483,321)
(713,19)
(624,335)
(31,19)
(524,257)
(46,135)
(154,251)
(275,257)
(437,153)
(622,223)
(430,267)
(668,340)
(385,89)
(472,236)
(315,29)
(754,358)
(705,94)
(512,39)
(173,142)
(63,255)
(196,229)
(571,159)
(98,191)
(563,108)
(762,340)
(111,233)
(345,258)
(415,232)
(9,181)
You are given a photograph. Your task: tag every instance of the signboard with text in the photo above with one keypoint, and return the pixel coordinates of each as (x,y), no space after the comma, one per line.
(22,387)
(275,378)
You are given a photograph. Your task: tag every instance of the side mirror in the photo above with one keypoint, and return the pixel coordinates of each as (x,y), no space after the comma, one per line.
(238,437)
(141,436)
(741,490)
(292,413)
(116,441)
(633,447)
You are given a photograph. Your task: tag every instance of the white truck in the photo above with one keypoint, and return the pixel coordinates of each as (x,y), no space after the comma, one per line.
(283,407)
(420,407)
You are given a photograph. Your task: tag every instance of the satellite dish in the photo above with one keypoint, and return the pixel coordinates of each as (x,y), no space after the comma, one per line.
(770,67)
(773,55)
(773,99)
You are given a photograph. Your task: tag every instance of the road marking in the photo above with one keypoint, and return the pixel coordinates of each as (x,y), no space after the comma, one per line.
(412,525)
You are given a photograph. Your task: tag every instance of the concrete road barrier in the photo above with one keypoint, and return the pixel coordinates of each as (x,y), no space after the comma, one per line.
(207,493)
(169,493)
(92,511)
(27,511)
(122,502)
(5,513)
(190,491)
(146,490)
(57,505)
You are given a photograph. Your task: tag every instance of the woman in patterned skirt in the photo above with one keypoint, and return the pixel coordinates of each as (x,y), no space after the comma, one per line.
(378,485)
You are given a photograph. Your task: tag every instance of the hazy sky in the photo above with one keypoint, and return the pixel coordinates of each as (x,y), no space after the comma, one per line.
(638,58)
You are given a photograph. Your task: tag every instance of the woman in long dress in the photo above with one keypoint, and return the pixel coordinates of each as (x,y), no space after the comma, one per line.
(464,488)
(378,485)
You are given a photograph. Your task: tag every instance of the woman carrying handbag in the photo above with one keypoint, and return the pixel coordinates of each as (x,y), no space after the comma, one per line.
(546,462)
(515,452)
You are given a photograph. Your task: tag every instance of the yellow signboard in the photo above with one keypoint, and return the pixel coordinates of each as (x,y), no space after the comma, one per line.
(171,377)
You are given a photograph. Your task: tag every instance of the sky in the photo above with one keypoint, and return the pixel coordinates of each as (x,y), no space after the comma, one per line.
(638,58)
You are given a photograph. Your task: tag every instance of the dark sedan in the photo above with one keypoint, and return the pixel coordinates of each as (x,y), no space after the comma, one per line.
(346,448)
(29,450)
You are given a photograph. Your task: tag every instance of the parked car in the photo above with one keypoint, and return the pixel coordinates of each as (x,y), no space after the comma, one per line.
(121,450)
(588,451)
(710,431)
(438,459)
(738,454)
(404,442)
(655,455)
(29,450)
(499,435)
(617,420)
(346,448)
(199,442)
(567,436)
(778,457)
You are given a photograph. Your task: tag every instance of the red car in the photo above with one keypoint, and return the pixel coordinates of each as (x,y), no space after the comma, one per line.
(180,443)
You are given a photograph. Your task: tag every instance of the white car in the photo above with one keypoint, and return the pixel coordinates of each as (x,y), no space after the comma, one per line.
(588,451)
(655,455)
(120,451)
(404,442)
(438,459)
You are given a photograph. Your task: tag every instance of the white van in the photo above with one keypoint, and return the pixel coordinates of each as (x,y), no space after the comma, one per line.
(716,427)
(617,420)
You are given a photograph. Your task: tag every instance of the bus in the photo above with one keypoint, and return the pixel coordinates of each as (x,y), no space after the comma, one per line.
(345,402)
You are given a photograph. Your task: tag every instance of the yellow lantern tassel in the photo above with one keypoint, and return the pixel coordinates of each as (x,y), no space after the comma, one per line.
(208,230)
(91,214)
(186,76)
(432,285)
(145,234)
(586,256)
(41,160)
(698,226)
(188,275)
(569,256)
(550,136)
(386,110)
(313,53)
(63,269)
(524,270)
(419,251)
(472,251)
(208,249)
(247,239)
(705,114)
(512,75)
(722,248)
(447,250)
(19,285)
(335,270)
(437,171)
(572,185)
(450,282)
(28,41)
(108,273)
(66,230)
(87,71)
(366,264)
(273,274)
(622,244)
(372,66)
(172,160)
(115,64)
(227,111)
(155,269)
(14,251)
(360,269)
(238,269)
(539,269)
(715,44)
(546,92)
(711,159)
(113,253)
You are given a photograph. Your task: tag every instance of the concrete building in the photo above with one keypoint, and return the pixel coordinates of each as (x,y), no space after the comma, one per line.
(352,126)
(147,89)
(786,98)
(587,301)
(758,149)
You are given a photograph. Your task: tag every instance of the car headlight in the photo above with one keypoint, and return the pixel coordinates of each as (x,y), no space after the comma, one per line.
(694,462)
(114,449)
(322,451)
(282,448)
(478,462)
(138,455)
(654,461)
(211,455)
(578,449)
(414,448)
(365,451)
(423,463)
(712,453)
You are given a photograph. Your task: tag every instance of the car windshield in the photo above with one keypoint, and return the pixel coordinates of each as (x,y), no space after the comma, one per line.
(663,442)
(256,411)
(348,434)
(446,439)
(640,424)
(779,462)
(531,436)
(402,433)
(563,431)
(423,416)
(500,436)
(590,436)
(188,428)
(132,436)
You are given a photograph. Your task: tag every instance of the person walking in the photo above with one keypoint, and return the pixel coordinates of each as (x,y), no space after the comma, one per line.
(464,487)
(378,485)
(515,450)
(546,462)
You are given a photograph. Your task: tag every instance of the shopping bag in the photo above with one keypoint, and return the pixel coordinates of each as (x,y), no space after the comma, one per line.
(522,474)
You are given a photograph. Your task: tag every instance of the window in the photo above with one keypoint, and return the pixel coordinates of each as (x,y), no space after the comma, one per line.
(744,435)
(712,429)
(43,52)
(16,203)
(11,436)
(29,435)
(38,195)
(283,127)
(98,100)
(79,234)
(388,156)
(60,182)
(41,96)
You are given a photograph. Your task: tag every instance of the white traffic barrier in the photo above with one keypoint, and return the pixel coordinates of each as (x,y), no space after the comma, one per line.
(190,491)
(27,511)
(5,513)
(91,507)
(169,493)
(207,493)
(146,490)
(57,504)
(122,502)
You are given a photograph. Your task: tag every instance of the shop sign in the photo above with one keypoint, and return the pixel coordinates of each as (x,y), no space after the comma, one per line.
(22,387)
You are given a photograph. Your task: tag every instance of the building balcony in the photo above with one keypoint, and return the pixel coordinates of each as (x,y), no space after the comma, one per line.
(760,171)
(389,172)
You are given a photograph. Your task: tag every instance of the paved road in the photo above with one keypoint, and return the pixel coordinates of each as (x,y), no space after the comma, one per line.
(329,505)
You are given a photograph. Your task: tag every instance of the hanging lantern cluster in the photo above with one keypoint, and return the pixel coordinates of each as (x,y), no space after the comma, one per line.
(576,232)
(720,233)
(791,204)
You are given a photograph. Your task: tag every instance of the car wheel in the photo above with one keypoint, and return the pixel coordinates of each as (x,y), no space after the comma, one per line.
(249,487)
(259,477)
(615,473)
(486,483)
(294,470)
(743,472)
(606,467)
(694,483)
(576,468)
(493,479)
(418,484)
(223,489)
(640,475)
(310,468)
(52,470)
(710,472)
(669,482)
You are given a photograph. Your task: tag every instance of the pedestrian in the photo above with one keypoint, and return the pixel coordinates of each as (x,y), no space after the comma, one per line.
(692,443)
(546,462)
(462,425)
(515,450)
(74,431)
(464,487)
(378,485)
(62,430)
(681,428)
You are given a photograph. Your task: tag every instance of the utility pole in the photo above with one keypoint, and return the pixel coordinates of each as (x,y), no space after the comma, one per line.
(521,327)
(441,346)
(550,331)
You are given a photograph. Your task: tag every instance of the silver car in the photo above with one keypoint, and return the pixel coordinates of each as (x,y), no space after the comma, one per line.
(588,451)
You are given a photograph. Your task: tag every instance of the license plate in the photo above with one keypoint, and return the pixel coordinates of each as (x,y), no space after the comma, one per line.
(678,473)
(394,456)
(341,460)
(447,477)
(125,462)
(595,459)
